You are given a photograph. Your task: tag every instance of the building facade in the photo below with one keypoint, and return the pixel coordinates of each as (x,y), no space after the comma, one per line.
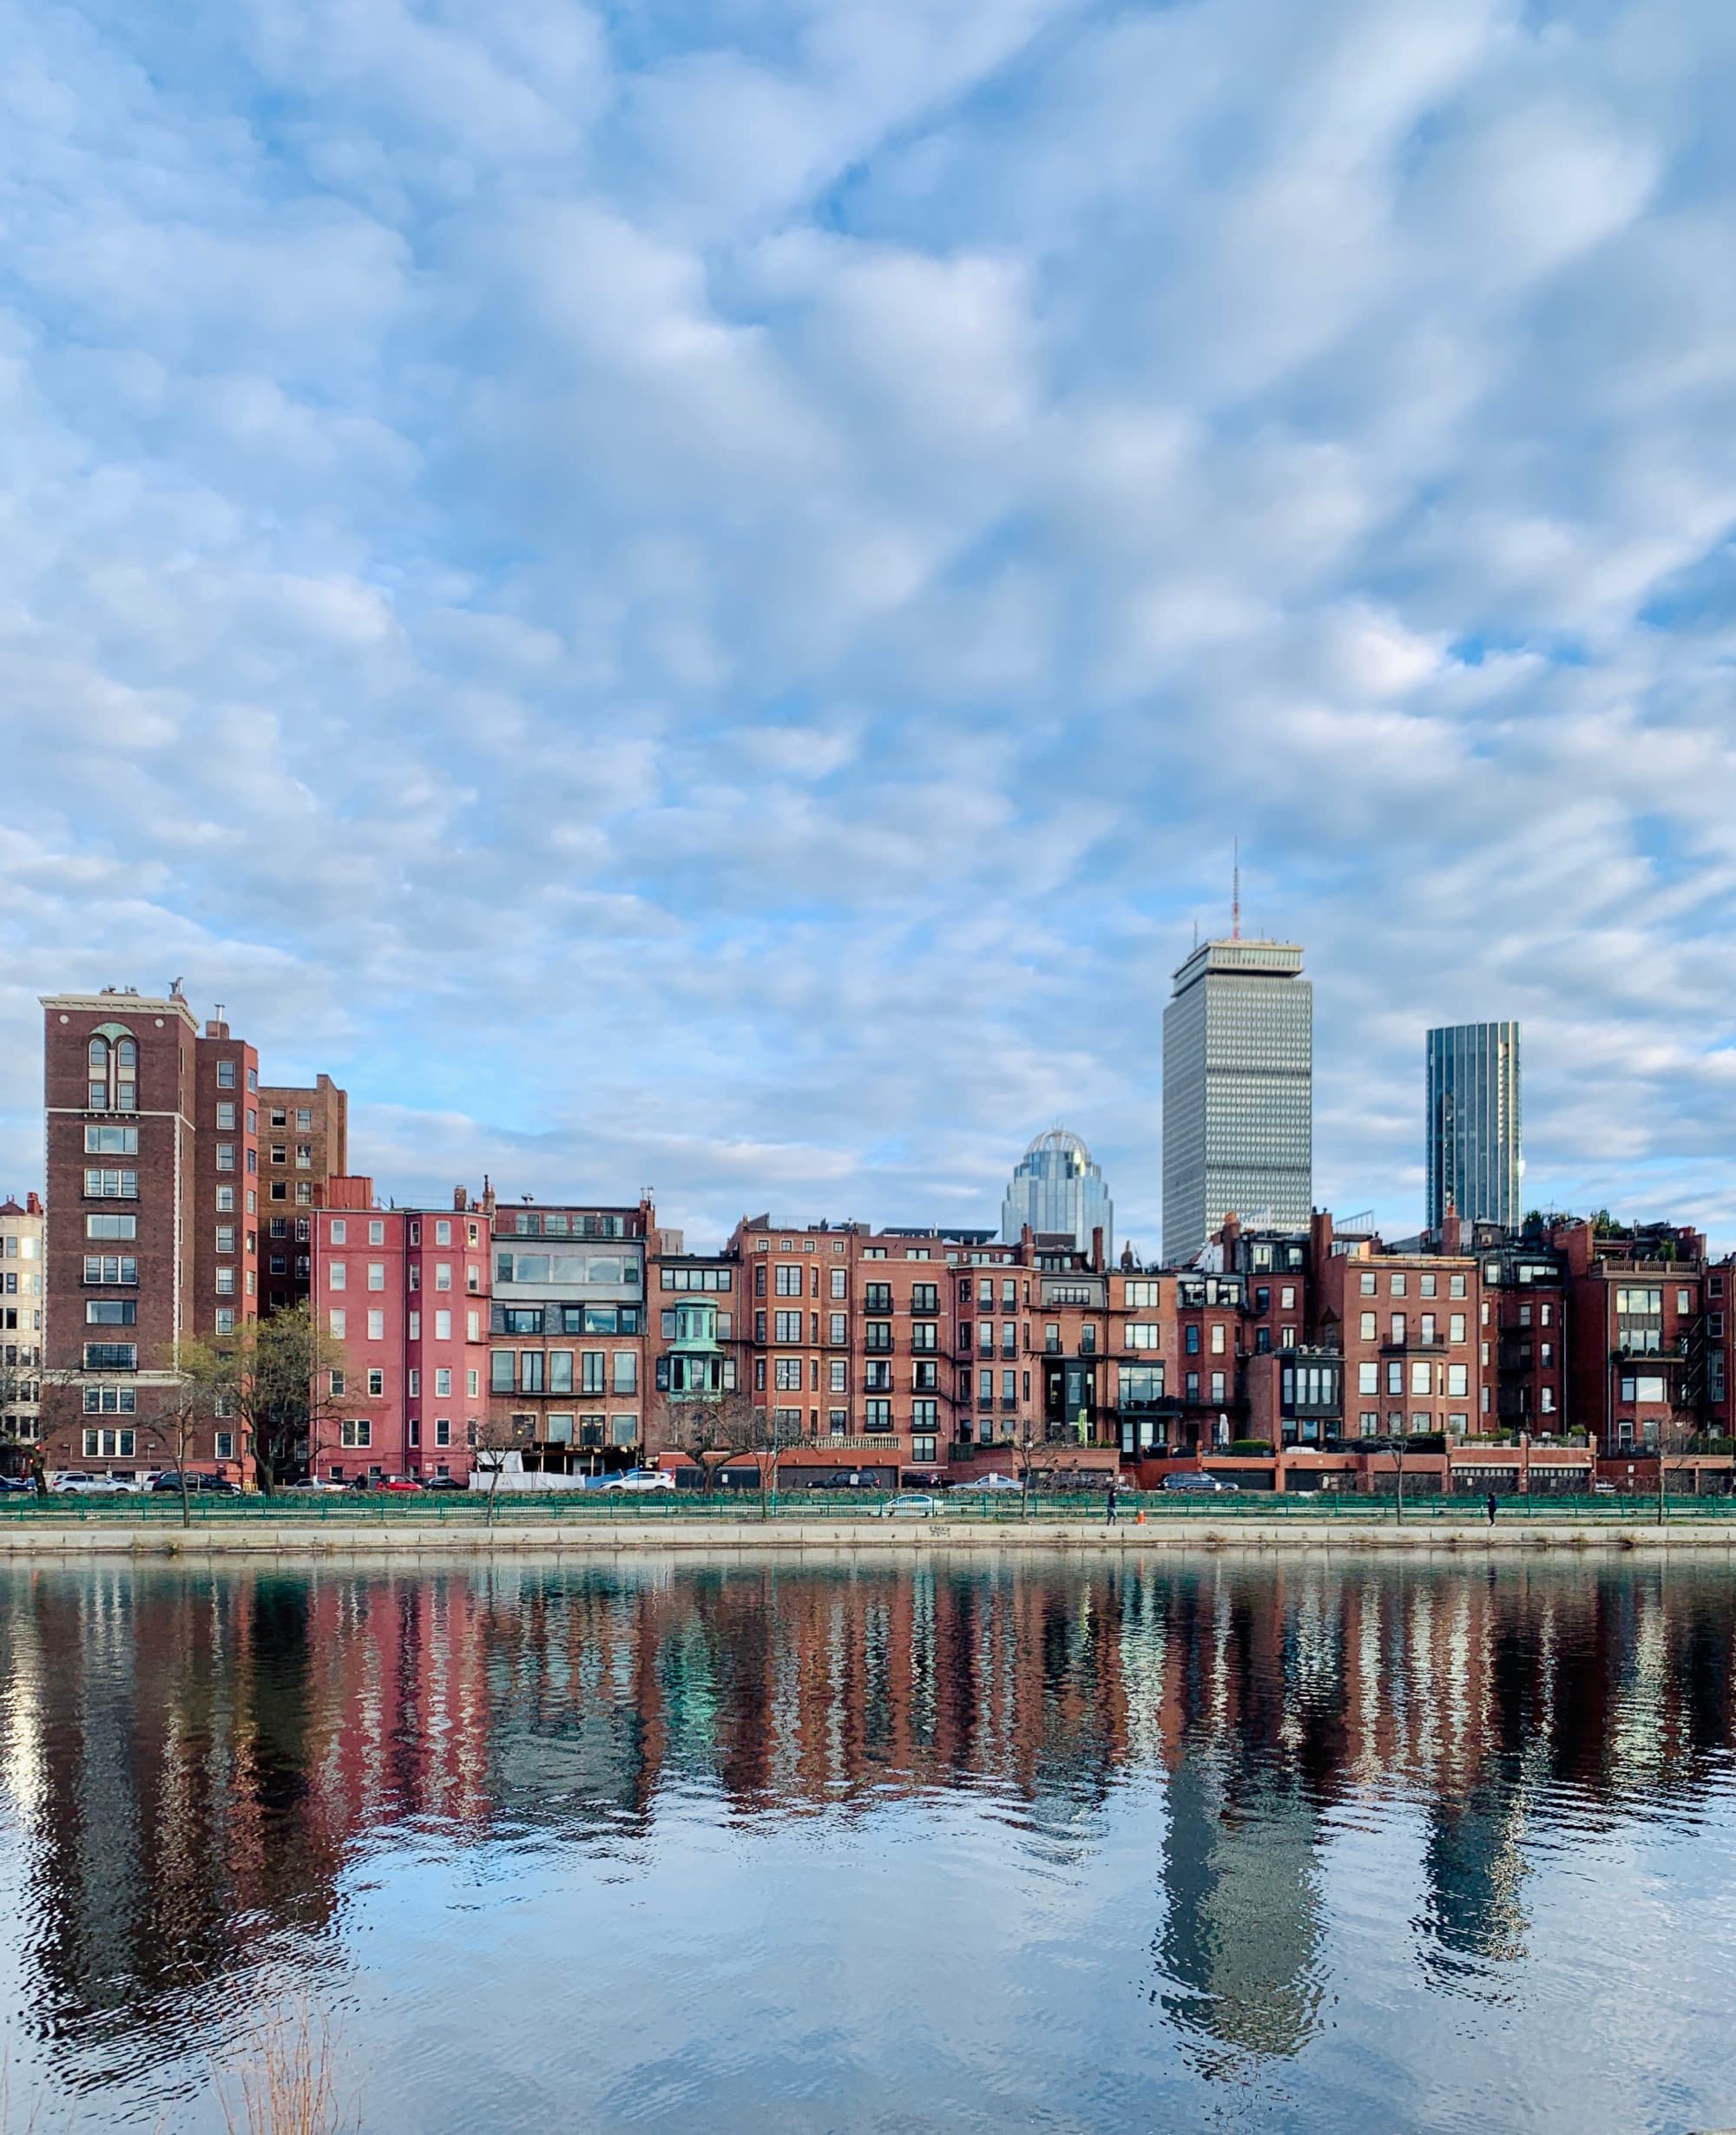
(568,1348)
(1057,1188)
(404,1294)
(154,1141)
(20,1330)
(123,1238)
(1238,1094)
(1475,1163)
(303,1143)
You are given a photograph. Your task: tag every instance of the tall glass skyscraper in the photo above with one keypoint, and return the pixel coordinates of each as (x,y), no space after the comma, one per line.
(1056,1188)
(1238,1094)
(1476,1158)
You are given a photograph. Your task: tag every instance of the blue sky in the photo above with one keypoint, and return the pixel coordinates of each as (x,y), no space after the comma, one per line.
(695,596)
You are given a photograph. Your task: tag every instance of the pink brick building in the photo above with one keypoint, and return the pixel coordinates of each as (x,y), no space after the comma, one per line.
(405,1291)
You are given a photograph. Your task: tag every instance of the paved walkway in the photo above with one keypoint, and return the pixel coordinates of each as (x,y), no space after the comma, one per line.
(39,1538)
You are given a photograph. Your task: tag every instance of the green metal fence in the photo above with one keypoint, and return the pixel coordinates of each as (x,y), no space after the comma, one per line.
(1002,1508)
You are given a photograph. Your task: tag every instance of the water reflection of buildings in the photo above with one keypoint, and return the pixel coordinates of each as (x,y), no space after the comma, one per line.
(195,1761)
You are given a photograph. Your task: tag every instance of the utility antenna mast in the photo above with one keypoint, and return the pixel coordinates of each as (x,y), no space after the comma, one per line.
(1236,895)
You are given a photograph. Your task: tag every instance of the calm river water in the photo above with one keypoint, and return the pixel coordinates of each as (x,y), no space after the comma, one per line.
(1218,1844)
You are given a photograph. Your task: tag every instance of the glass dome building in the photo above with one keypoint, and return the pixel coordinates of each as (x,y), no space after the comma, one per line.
(1057,1187)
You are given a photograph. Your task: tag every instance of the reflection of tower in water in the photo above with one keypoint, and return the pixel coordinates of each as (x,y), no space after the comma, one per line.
(1240,1940)
(1251,1669)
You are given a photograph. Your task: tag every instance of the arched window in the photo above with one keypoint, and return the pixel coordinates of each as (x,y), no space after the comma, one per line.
(98,1057)
(127,1075)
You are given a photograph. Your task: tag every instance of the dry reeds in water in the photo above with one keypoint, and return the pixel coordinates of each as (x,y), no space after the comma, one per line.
(288,2080)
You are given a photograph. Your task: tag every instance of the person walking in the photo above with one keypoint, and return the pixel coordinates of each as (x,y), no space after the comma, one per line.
(1490,1501)
(1110,1520)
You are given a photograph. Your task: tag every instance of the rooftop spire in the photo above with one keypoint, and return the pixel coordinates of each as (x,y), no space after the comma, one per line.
(1236,893)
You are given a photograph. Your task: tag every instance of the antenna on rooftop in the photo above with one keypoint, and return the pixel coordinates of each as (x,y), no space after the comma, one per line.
(1236,893)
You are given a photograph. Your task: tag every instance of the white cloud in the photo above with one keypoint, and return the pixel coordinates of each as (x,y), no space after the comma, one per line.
(699,599)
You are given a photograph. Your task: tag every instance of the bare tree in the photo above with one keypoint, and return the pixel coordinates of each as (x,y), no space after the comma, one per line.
(48,1386)
(281,1377)
(187,1408)
(495,1437)
(711,1429)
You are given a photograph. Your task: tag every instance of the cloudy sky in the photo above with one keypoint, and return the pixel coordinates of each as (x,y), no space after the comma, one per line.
(694,596)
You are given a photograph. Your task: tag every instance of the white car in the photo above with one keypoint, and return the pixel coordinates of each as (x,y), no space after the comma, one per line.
(910,1504)
(642,1479)
(73,1484)
(996,1482)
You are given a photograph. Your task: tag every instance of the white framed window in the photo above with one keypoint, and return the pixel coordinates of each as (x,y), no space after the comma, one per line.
(413,1385)
(443,1326)
(376,1381)
(473,1383)
(356,1431)
(443,1275)
(443,1379)
(340,1231)
(340,1325)
(376,1326)
(377,1230)
(337,1276)
(442,1430)
(226,1445)
(375,1275)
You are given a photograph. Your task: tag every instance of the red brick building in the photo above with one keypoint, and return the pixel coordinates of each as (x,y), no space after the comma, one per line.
(406,1291)
(153,1137)
(303,1143)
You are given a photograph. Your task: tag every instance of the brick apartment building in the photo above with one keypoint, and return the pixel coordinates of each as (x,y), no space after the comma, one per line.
(405,1291)
(567,1354)
(151,1232)
(21,1330)
(304,1144)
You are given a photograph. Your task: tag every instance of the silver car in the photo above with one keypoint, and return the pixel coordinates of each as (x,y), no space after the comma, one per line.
(910,1504)
(73,1484)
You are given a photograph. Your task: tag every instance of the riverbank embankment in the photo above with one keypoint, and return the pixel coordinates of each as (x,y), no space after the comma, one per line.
(45,1538)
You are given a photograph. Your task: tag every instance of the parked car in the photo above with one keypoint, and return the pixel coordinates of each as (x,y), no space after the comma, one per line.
(16,1484)
(445,1482)
(910,1504)
(74,1484)
(1604,1489)
(843,1478)
(1197,1479)
(641,1479)
(169,1485)
(402,1485)
(996,1482)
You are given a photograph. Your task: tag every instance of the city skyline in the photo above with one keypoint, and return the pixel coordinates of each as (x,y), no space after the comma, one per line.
(519,1154)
